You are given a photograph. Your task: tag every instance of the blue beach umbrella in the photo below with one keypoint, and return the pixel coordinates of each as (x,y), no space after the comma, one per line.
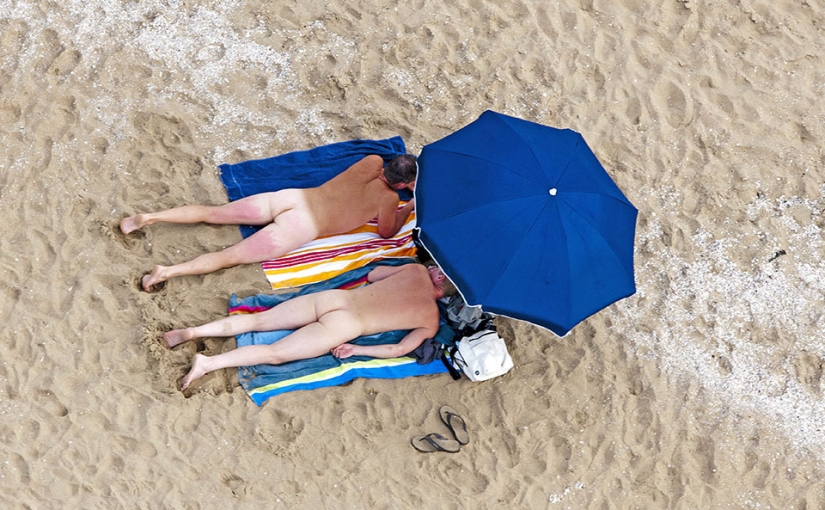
(525,221)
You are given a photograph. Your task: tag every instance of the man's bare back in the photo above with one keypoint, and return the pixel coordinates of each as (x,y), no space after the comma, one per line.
(293,217)
(353,198)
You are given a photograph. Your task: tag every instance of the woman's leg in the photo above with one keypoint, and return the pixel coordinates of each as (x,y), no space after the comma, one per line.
(332,329)
(291,314)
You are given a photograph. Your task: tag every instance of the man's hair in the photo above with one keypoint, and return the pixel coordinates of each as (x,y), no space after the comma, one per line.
(401,169)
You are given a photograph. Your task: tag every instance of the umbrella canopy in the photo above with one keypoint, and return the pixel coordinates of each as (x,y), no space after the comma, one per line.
(525,221)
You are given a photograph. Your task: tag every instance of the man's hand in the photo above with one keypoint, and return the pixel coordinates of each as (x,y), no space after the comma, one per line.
(343,351)
(391,218)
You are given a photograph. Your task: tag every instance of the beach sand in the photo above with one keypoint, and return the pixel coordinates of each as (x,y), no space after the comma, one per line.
(703,390)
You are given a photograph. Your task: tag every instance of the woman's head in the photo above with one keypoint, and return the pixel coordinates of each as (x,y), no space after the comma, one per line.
(441,281)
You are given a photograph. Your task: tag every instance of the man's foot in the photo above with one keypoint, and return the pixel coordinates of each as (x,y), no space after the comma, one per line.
(176,337)
(132,223)
(198,369)
(151,280)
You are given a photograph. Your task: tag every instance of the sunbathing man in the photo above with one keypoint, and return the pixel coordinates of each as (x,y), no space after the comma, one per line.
(397,297)
(293,217)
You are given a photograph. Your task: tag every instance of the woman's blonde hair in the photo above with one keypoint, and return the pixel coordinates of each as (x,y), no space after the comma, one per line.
(447,287)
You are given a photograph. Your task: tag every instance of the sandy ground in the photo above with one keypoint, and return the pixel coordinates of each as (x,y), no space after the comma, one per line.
(703,390)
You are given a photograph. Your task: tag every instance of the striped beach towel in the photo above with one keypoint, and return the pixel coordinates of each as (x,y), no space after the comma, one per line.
(327,257)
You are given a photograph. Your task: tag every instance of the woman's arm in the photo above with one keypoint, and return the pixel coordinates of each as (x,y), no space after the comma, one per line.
(381,272)
(408,344)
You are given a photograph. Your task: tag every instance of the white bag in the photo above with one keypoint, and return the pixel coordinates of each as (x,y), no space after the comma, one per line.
(483,356)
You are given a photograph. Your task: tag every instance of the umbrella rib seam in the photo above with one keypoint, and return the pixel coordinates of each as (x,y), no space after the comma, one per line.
(470,156)
(532,225)
(481,204)
(595,229)
(625,201)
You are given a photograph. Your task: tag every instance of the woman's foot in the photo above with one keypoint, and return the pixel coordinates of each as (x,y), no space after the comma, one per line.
(150,280)
(198,370)
(177,337)
(132,223)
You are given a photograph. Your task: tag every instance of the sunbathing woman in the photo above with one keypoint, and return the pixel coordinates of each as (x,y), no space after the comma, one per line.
(398,297)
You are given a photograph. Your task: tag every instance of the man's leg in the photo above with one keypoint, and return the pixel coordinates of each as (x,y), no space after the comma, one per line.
(332,329)
(290,230)
(257,209)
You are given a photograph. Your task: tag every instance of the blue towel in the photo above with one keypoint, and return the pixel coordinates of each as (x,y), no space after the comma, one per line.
(262,382)
(302,169)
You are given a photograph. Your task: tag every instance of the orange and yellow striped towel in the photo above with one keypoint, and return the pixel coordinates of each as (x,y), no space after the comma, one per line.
(327,257)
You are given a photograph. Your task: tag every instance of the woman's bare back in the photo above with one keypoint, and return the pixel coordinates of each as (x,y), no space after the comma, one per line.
(405,300)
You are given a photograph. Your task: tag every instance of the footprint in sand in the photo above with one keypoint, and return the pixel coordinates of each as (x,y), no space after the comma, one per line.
(236,484)
(49,402)
(808,370)
(16,467)
(673,103)
(279,431)
(65,62)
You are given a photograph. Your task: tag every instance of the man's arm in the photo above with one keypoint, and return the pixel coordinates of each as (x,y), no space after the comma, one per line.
(391,218)
(408,344)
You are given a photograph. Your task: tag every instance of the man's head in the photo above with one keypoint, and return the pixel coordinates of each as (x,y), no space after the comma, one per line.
(401,170)
(441,281)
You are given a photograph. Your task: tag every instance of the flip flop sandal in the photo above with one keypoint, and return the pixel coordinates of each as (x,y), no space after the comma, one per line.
(456,424)
(435,443)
